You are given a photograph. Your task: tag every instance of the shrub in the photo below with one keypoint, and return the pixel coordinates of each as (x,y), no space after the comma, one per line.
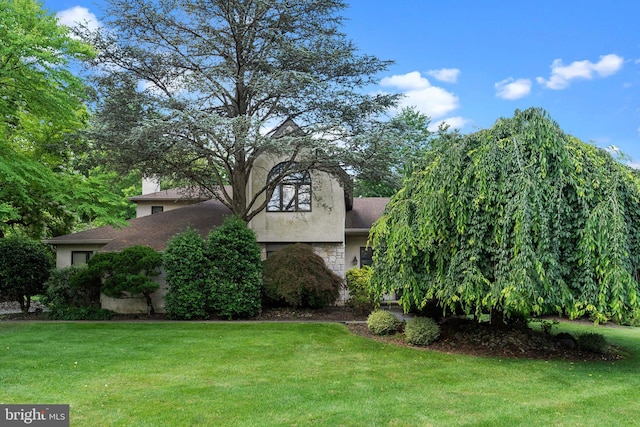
(129,271)
(592,342)
(235,282)
(86,285)
(25,266)
(298,277)
(187,269)
(421,331)
(72,286)
(360,298)
(632,319)
(383,322)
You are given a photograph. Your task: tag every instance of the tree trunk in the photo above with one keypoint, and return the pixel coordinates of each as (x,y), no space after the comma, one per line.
(150,310)
(25,303)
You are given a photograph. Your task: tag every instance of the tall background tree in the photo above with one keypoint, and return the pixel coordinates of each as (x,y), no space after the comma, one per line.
(520,219)
(389,164)
(25,266)
(43,192)
(189,88)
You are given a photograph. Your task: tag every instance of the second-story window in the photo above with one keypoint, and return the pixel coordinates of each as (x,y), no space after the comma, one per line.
(293,193)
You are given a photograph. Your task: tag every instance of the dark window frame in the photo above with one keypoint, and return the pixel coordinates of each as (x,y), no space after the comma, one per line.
(87,254)
(157,209)
(293,192)
(366,256)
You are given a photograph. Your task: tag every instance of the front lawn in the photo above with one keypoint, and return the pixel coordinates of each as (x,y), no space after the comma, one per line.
(250,374)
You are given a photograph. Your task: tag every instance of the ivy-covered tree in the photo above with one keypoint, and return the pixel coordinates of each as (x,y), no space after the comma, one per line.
(520,219)
(25,266)
(235,283)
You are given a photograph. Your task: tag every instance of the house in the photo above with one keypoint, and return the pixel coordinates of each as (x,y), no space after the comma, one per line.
(310,207)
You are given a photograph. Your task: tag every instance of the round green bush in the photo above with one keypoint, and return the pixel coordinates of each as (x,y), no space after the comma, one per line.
(383,322)
(421,331)
(592,342)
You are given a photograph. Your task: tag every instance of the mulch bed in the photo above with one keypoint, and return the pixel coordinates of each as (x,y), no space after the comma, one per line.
(464,336)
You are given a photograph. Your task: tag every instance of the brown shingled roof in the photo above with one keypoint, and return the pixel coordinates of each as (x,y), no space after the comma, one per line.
(152,230)
(156,230)
(365,212)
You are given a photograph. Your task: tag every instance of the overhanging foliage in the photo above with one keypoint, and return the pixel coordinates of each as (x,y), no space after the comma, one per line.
(520,218)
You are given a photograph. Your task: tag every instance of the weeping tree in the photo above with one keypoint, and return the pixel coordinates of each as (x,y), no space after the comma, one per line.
(519,219)
(188,90)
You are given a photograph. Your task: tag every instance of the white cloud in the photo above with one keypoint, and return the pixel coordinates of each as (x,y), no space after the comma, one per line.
(409,81)
(447,75)
(561,75)
(78,15)
(433,101)
(513,89)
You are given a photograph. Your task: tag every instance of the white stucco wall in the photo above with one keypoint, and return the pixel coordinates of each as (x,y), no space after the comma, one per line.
(63,252)
(352,250)
(325,222)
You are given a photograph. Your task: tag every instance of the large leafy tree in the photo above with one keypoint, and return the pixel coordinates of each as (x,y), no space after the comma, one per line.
(40,99)
(40,105)
(389,164)
(189,88)
(521,219)
(39,201)
(43,192)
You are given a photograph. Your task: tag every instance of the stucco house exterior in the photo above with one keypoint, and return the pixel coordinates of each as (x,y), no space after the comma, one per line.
(311,208)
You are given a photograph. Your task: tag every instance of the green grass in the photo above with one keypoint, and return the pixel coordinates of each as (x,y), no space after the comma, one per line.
(275,374)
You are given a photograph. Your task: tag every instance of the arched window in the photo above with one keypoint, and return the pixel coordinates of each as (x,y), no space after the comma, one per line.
(293,193)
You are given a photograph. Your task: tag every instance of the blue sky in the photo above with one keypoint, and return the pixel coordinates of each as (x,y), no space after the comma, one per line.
(469,62)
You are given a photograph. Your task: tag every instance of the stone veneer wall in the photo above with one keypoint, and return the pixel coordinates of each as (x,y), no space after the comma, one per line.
(333,255)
